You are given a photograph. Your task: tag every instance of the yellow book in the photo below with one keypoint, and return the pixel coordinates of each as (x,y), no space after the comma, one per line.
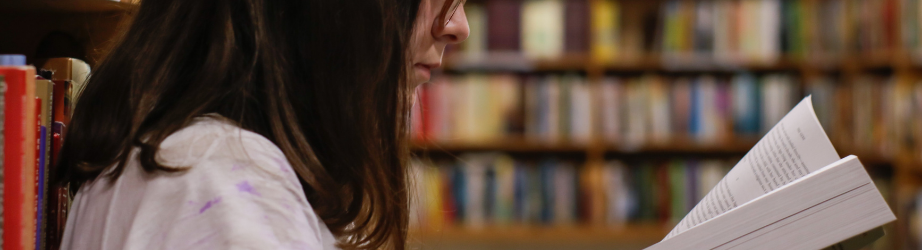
(605,30)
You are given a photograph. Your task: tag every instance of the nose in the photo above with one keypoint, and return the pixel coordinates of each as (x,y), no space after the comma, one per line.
(456,31)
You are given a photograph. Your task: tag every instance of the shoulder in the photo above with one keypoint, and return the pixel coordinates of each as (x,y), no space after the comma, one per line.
(215,153)
(237,191)
(214,137)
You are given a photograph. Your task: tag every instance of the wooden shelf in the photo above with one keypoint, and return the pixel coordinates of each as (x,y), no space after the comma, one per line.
(686,147)
(522,145)
(516,62)
(676,147)
(637,234)
(516,144)
(64,6)
(509,145)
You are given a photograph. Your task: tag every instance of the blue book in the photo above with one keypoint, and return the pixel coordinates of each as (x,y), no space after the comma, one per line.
(746,104)
(691,184)
(520,192)
(694,118)
(459,191)
(42,173)
(547,170)
(489,197)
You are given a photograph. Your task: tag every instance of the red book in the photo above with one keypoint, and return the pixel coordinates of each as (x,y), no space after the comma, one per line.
(890,24)
(503,25)
(576,18)
(19,158)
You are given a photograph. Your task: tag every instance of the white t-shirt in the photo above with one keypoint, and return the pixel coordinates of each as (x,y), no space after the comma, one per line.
(239,192)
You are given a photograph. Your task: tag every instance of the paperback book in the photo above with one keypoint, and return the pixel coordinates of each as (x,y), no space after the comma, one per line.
(790,191)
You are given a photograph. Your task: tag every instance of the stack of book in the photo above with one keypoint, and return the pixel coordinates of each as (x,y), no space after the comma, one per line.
(36,108)
(492,189)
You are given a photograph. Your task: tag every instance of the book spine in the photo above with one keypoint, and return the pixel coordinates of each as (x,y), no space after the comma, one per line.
(3,156)
(39,173)
(576,27)
(19,158)
(503,25)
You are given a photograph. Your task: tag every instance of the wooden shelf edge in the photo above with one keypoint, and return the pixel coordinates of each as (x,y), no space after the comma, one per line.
(517,62)
(630,233)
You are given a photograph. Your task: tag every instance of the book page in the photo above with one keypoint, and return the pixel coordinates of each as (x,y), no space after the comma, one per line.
(796,146)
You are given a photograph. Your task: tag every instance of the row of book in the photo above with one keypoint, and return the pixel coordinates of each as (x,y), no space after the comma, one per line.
(874,113)
(36,106)
(629,111)
(537,28)
(728,31)
(763,30)
(491,189)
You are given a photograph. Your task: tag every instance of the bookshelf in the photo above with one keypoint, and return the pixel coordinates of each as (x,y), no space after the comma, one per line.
(93,23)
(81,29)
(845,66)
(502,62)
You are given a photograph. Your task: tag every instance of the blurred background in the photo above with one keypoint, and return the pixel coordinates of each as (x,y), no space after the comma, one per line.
(597,124)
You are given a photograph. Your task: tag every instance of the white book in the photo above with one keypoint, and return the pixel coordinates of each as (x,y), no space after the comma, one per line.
(618,193)
(542,28)
(610,110)
(564,208)
(552,117)
(660,114)
(475,168)
(791,191)
(581,108)
(770,30)
(475,45)
(635,131)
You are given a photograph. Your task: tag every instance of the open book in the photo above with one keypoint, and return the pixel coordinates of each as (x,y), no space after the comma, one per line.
(790,191)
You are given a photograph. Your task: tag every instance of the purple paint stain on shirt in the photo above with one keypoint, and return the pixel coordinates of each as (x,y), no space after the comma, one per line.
(283,165)
(208,204)
(245,187)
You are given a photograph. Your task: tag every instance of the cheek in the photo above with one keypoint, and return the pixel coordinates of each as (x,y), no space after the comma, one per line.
(422,30)
(421,38)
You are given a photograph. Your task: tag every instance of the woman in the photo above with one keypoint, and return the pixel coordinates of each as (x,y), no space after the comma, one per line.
(253,124)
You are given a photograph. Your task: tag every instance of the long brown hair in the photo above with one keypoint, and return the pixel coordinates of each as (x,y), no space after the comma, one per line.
(324,80)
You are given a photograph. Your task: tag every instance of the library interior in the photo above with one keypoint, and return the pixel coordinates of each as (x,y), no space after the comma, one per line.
(599,124)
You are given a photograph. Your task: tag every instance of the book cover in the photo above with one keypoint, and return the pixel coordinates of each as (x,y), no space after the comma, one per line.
(43,90)
(605,29)
(576,26)
(19,157)
(542,28)
(503,25)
